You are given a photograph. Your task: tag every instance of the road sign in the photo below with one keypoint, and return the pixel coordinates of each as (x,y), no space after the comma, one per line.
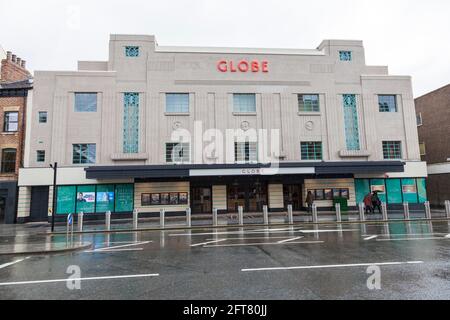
(70,219)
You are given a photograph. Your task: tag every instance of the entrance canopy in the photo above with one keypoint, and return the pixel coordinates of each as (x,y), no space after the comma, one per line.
(213,170)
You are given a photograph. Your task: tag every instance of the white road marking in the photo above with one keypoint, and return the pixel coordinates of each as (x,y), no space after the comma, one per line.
(370,238)
(256,238)
(333,266)
(230,232)
(289,240)
(323,231)
(208,242)
(261,244)
(80,279)
(415,239)
(13,262)
(114,250)
(123,246)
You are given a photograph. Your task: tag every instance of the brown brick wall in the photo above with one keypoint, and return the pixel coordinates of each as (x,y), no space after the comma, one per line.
(12,140)
(438,189)
(11,71)
(435,131)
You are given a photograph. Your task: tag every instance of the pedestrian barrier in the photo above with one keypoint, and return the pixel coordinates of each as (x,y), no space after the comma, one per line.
(361,212)
(80,221)
(315,218)
(266,214)
(427,210)
(406,210)
(69,223)
(188,217)
(447,208)
(108,220)
(215,221)
(135,219)
(290,214)
(384,211)
(241,215)
(338,212)
(162,213)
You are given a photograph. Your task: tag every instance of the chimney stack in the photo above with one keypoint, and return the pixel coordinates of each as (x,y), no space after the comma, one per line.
(23,64)
(13,59)
(18,61)
(8,55)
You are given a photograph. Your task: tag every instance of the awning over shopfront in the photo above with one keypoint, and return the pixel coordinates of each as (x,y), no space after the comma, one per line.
(201,170)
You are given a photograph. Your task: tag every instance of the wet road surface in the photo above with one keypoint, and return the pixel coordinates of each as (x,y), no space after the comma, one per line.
(301,262)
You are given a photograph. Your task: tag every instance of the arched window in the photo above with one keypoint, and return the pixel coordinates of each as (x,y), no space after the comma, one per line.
(9,160)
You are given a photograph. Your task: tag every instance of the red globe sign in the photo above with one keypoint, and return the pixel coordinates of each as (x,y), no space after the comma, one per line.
(243,66)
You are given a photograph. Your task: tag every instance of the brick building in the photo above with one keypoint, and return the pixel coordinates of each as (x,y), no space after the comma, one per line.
(433,120)
(14,86)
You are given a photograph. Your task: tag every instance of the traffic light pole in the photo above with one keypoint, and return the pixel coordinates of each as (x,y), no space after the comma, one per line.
(55,168)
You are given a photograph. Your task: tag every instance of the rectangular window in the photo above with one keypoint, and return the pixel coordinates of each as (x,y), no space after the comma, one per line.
(42,116)
(85,102)
(244,102)
(387,103)
(419,119)
(83,153)
(132,51)
(9,160)
(246,152)
(308,103)
(131,122)
(311,150)
(177,102)
(345,55)
(11,122)
(40,156)
(351,126)
(422,149)
(177,152)
(392,150)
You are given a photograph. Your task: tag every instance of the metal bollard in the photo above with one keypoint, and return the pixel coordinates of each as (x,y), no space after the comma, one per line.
(108,220)
(384,211)
(266,214)
(241,215)
(162,213)
(338,212)
(188,217)
(361,212)
(135,219)
(447,208)
(428,210)
(215,223)
(315,218)
(80,221)
(290,214)
(406,210)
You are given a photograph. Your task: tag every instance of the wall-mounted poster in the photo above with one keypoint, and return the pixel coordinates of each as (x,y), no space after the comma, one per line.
(409,189)
(173,198)
(319,195)
(155,199)
(165,198)
(328,194)
(345,193)
(105,198)
(379,188)
(85,196)
(145,199)
(183,198)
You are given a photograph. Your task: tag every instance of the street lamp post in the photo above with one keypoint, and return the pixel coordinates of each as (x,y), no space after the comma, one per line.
(55,168)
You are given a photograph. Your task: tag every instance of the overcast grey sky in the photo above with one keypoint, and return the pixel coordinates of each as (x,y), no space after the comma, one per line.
(410,36)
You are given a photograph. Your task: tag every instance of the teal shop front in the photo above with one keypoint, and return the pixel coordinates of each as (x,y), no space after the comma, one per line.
(393,190)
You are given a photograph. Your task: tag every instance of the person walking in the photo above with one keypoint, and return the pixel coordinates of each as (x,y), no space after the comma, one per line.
(368,203)
(376,202)
(309,201)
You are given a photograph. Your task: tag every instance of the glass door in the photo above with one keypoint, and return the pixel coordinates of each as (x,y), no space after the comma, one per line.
(292,194)
(201,200)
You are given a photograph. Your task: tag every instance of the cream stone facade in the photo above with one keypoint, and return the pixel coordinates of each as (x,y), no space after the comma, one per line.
(135,152)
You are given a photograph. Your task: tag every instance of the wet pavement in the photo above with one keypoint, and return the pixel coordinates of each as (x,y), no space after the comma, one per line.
(328,261)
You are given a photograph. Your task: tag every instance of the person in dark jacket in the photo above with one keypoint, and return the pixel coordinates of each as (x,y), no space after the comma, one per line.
(368,203)
(310,201)
(376,202)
